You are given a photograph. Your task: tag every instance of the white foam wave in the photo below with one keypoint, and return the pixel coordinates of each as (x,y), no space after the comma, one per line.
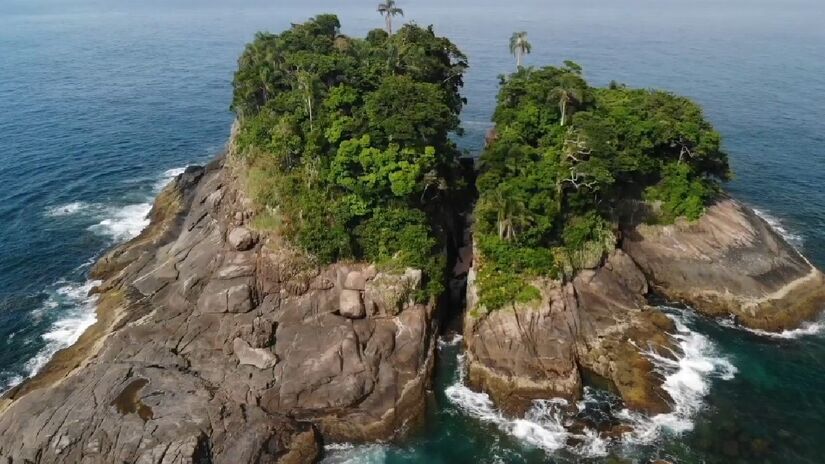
(123,223)
(116,222)
(542,426)
(452,340)
(793,238)
(807,329)
(69,209)
(77,314)
(347,453)
(687,381)
(167,177)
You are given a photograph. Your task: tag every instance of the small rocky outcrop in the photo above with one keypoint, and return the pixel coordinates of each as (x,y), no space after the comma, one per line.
(596,324)
(730,263)
(217,344)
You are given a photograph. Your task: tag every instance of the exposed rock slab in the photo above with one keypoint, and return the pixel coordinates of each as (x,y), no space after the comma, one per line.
(730,262)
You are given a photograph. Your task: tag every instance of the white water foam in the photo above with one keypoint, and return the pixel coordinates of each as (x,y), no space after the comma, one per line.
(542,426)
(347,453)
(118,223)
(793,238)
(807,329)
(123,223)
(687,380)
(78,314)
(453,340)
(167,177)
(69,209)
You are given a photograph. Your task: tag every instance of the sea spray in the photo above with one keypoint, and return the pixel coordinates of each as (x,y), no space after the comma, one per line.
(68,302)
(123,223)
(116,222)
(779,227)
(807,329)
(77,313)
(687,379)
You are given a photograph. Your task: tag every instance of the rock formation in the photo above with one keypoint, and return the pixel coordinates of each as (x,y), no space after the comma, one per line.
(596,324)
(215,343)
(728,263)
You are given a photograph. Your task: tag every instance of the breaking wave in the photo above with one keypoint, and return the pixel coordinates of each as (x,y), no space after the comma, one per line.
(807,329)
(543,426)
(77,313)
(687,378)
(69,303)
(123,223)
(116,222)
(347,453)
(791,237)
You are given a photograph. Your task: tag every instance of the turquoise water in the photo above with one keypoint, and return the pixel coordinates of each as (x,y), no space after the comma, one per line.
(103,100)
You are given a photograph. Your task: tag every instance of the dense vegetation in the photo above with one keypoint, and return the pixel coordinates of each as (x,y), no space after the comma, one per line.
(346,140)
(565,158)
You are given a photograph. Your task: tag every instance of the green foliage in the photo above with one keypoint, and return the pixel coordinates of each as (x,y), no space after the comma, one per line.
(681,193)
(566,155)
(401,237)
(344,137)
(503,278)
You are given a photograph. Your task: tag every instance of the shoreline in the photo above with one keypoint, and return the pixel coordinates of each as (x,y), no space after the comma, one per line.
(111,305)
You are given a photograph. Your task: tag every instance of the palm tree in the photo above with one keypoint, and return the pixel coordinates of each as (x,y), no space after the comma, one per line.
(519,46)
(511,215)
(568,93)
(388,10)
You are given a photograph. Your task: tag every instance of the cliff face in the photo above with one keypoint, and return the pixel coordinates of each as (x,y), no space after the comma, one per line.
(217,344)
(729,263)
(595,324)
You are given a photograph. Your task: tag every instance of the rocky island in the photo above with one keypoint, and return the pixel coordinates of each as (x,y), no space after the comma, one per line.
(290,294)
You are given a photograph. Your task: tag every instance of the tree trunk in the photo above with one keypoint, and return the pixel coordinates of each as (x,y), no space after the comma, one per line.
(389,24)
(563,110)
(309,106)
(518,58)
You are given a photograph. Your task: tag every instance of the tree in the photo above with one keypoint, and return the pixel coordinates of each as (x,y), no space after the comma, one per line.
(519,46)
(307,85)
(347,141)
(552,187)
(569,92)
(388,10)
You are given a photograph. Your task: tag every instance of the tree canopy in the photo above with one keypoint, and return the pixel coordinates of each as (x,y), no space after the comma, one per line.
(347,141)
(565,157)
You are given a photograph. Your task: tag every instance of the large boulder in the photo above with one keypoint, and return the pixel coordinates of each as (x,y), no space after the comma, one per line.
(729,262)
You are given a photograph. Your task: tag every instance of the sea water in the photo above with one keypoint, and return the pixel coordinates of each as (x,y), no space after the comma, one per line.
(103,102)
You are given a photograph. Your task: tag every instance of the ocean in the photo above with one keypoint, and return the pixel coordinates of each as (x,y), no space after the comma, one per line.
(103,102)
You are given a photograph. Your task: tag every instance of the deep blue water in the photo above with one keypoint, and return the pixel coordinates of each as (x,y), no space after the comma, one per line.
(101,101)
